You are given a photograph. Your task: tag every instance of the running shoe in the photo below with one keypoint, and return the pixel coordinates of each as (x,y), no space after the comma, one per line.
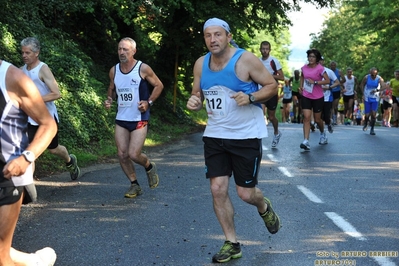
(372,131)
(323,139)
(228,252)
(73,168)
(330,128)
(271,219)
(45,257)
(152,176)
(365,126)
(388,124)
(133,191)
(276,139)
(305,145)
(334,119)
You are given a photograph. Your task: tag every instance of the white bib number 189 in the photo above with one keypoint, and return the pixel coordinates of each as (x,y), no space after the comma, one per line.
(125,97)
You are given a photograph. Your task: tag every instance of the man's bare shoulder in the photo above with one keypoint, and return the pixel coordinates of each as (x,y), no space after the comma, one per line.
(250,59)
(249,55)
(198,65)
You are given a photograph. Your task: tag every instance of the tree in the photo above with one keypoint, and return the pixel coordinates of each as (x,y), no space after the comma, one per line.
(361,34)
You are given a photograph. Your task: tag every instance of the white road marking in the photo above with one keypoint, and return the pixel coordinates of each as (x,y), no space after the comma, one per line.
(344,225)
(309,194)
(384,261)
(271,157)
(285,171)
(264,147)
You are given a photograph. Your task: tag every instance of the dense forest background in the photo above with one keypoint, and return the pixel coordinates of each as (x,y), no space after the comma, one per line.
(79,42)
(362,35)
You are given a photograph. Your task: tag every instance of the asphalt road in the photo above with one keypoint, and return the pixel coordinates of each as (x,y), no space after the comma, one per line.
(338,203)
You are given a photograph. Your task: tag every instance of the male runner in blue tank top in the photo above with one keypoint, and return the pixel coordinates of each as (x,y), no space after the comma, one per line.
(371,85)
(227,78)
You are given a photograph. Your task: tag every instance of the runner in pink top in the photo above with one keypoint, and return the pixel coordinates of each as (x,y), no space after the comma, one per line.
(313,76)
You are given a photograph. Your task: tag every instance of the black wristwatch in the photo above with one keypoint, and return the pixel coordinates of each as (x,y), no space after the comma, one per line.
(251,98)
(315,82)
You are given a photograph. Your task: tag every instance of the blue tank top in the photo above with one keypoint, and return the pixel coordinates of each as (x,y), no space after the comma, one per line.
(371,84)
(225,118)
(338,88)
(227,77)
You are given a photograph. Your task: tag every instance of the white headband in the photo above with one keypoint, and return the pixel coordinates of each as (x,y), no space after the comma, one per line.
(217,22)
(221,23)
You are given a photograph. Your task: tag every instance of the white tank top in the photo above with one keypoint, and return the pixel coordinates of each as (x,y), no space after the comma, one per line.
(130,89)
(43,89)
(349,86)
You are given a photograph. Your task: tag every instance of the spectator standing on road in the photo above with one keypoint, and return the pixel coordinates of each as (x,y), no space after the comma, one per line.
(312,78)
(296,97)
(19,98)
(349,93)
(130,80)
(336,91)
(394,83)
(287,100)
(371,85)
(274,67)
(44,80)
(227,78)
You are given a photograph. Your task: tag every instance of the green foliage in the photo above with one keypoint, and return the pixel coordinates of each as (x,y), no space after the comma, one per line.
(279,46)
(361,35)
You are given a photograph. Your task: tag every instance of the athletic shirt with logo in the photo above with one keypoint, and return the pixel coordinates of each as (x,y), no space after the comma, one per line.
(225,118)
(13,136)
(272,64)
(130,89)
(371,84)
(43,89)
(349,86)
(312,91)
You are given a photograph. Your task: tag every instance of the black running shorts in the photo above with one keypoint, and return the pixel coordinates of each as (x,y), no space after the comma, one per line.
(10,195)
(272,103)
(32,132)
(312,104)
(224,157)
